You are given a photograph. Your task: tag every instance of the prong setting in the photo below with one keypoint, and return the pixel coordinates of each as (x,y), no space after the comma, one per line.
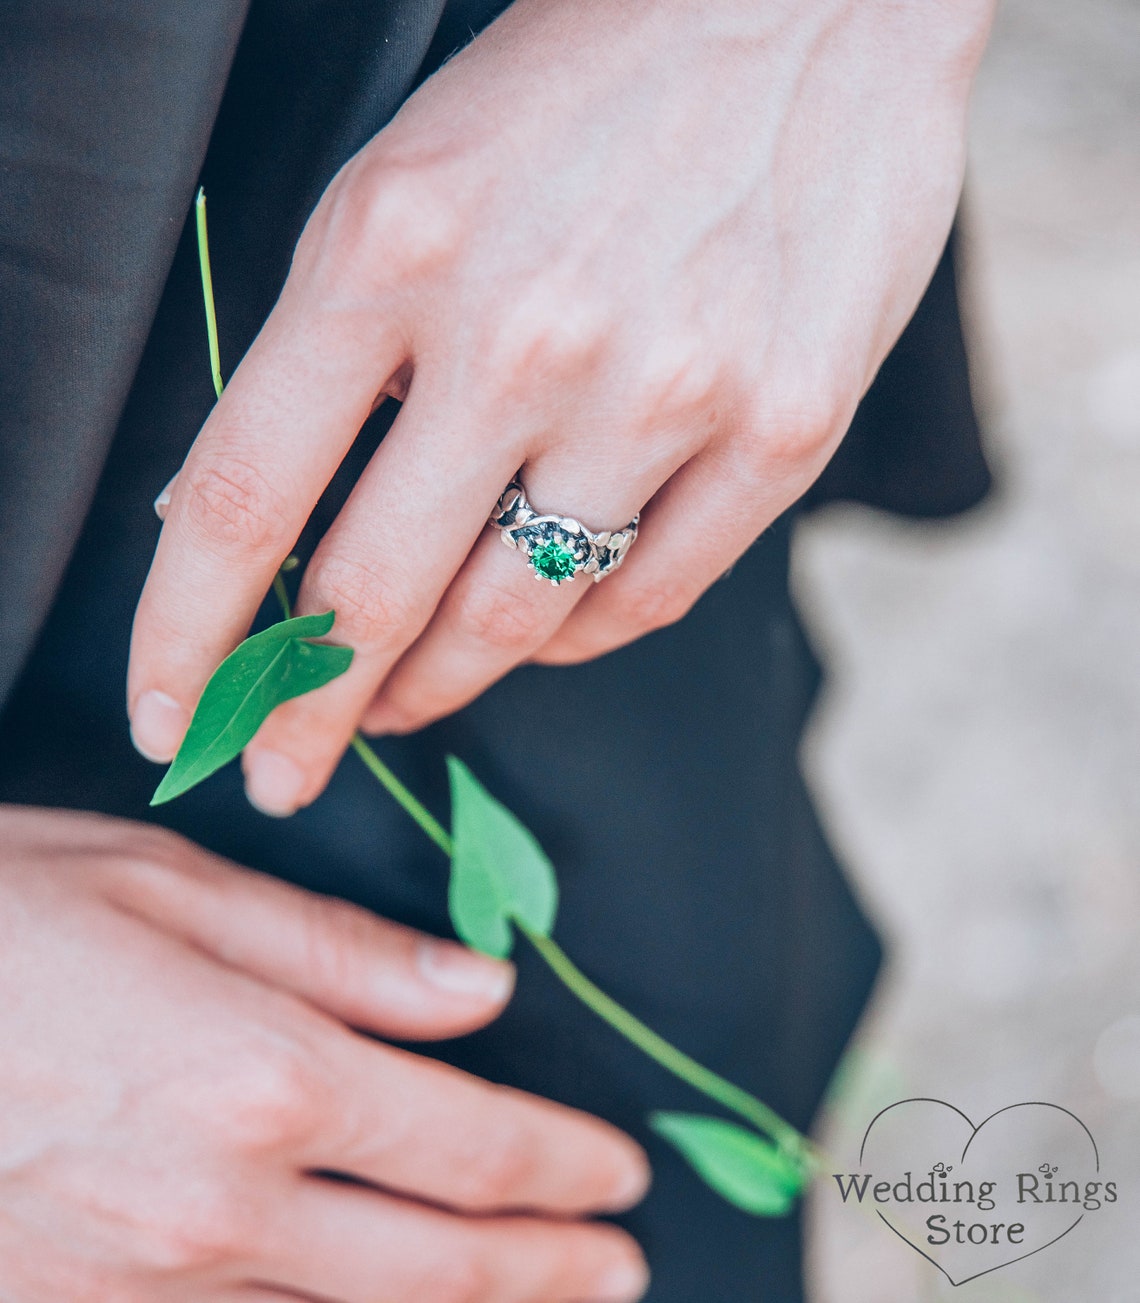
(557,548)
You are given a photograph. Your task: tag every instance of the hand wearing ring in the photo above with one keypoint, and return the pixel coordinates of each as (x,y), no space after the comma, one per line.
(652,254)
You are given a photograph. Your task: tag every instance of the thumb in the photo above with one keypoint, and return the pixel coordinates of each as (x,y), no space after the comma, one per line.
(370,973)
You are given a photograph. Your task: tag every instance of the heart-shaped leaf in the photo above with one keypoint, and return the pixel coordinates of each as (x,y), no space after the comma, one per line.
(738,1164)
(267,669)
(499,872)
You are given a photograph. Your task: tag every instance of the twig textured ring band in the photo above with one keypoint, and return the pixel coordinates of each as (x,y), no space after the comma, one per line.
(559,547)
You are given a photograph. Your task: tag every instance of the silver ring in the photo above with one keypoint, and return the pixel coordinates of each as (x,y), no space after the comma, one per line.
(559,547)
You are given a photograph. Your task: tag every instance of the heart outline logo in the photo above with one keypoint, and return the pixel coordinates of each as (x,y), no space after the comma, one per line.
(975,1129)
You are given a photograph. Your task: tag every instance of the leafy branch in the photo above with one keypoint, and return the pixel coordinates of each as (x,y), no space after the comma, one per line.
(502,882)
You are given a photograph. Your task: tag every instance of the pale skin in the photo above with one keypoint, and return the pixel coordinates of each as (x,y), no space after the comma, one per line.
(191,1057)
(665,285)
(651,254)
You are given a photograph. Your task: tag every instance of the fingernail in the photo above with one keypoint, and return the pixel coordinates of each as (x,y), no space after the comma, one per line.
(162,502)
(273,783)
(631,1187)
(158,725)
(623,1283)
(460,971)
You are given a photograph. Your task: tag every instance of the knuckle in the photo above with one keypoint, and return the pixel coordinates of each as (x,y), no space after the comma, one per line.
(795,433)
(160,847)
(269,1101)
(490,614)
(211,1225)
(413,222)
(546,337)
(370,608)
(168,1227)
(145,868)
(810,427)
(499,1166)
(139,880)
(230,502)
(385,217)
(336,935)
(680,385)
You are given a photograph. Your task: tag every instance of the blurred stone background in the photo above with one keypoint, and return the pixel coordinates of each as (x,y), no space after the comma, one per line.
(977,753)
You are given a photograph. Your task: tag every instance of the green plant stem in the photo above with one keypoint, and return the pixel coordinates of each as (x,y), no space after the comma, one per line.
(594,998)
(392,785)
(657,1048)
(208,291)
(376,767)
(702,1079)
(282,594)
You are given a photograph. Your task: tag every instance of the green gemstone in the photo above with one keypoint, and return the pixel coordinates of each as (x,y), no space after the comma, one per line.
(553,560)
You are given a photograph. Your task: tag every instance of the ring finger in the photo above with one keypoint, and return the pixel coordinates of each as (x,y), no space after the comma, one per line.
(494,615)
(388,558)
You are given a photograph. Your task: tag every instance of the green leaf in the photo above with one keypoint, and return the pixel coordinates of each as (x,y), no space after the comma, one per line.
(267,669)
(499,872)
(738,1164)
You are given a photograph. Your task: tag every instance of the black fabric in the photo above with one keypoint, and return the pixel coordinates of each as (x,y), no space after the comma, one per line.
(914,446)
(697,886)
(105,113)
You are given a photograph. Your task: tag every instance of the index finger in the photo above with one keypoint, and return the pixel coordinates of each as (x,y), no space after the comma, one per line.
(250,481)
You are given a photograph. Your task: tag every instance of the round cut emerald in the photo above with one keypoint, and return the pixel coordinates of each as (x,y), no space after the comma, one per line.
(553,560)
